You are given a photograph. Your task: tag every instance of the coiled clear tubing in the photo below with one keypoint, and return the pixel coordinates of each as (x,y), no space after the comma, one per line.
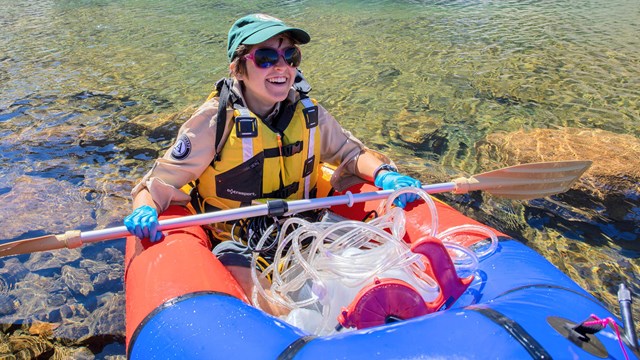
(319,267)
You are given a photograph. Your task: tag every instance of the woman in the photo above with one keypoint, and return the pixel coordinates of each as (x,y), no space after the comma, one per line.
(258,136)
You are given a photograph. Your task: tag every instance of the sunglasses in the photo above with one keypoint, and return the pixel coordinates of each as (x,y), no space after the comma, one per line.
(265,58)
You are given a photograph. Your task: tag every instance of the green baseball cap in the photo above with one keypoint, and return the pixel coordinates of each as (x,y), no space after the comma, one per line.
(256,28)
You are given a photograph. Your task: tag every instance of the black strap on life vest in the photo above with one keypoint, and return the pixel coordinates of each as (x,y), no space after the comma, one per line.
(284,191)
(301,85)
(287,150)
(225,96)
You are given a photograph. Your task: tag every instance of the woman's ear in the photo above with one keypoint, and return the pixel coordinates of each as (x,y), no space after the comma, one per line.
(233,70)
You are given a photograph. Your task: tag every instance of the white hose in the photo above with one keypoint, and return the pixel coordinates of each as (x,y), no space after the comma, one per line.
(480,230)
(338,258)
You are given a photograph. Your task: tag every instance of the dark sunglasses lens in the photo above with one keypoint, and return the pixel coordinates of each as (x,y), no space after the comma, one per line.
(265,58)
(292,56)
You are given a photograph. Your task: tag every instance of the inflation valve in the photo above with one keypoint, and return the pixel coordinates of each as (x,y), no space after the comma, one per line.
(624,298)
(582,334)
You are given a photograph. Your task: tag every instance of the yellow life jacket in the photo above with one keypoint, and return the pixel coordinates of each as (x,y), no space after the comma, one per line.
(258,162)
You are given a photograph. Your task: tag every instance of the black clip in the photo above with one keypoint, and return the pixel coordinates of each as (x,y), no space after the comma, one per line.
(311,116)
(292,149)
(246,127)
(308,166)
(277,207)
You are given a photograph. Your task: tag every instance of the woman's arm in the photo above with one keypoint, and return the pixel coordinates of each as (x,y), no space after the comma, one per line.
(183,162)
(144,198)
(368,166)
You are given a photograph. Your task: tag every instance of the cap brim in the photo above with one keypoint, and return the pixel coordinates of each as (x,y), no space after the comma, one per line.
(265,34)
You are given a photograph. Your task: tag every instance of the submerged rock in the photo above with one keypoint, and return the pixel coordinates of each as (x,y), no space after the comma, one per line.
(46,261)
(606,196)
(30,347)
(11,272)
(30,206)
(78,280)
(420,130)
(8,305)
(160,126)
(62,304)
(616,157)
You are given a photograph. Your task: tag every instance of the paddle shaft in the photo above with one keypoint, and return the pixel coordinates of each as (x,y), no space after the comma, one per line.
(294,206)
(522,182)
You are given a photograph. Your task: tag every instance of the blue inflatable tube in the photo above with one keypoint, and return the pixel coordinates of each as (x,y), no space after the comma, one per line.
(520,308)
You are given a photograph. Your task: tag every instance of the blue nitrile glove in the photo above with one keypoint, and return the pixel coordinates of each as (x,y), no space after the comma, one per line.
(143,223)
(391,180)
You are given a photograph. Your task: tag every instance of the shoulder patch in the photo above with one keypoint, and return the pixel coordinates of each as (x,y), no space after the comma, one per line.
(182,148)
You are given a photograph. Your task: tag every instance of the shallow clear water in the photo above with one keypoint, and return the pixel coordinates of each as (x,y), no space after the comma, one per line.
(88,90)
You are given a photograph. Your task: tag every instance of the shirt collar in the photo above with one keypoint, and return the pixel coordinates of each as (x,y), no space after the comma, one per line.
(291,98)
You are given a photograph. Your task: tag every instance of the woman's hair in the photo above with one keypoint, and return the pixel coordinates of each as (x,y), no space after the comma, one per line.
(239,60)
(242,50)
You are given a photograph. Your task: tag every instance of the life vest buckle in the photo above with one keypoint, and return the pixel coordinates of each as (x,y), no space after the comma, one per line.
(310,113)
(292,149)
(246,126)
(308,166)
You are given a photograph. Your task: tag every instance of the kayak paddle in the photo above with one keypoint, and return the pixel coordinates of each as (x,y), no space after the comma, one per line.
(526,181)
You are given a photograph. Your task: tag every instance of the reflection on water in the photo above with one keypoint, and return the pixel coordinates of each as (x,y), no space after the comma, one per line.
(87,90)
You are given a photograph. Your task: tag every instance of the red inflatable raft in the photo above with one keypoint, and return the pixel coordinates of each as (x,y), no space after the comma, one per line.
(182,303)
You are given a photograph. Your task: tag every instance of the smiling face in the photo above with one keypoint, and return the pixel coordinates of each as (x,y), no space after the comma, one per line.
(264,88)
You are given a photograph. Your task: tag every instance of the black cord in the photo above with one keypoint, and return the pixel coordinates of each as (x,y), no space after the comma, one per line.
(370,215)
(251,231)
(255,229)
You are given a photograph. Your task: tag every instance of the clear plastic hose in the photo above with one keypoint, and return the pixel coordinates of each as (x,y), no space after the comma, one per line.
(319,267)
(481,250)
